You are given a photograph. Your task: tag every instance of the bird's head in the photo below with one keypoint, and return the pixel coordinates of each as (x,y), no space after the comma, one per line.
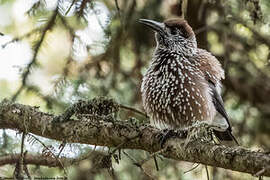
(173,34)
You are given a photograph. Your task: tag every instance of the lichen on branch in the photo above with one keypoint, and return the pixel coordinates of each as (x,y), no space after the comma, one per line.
(97,130)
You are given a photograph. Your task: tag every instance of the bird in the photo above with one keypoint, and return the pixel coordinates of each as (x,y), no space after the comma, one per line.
(182,84)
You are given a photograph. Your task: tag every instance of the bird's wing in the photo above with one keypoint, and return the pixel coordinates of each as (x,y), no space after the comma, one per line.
(210,66)
(218,103)
(213,73)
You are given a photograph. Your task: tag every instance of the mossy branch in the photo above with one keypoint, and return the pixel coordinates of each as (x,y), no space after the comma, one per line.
(110,132)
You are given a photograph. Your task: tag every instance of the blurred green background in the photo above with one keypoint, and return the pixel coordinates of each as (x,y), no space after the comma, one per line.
(53,53)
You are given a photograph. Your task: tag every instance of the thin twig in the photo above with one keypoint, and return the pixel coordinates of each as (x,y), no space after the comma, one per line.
(191,169)
(207,173)
(130,157)
(62,146)
(21,160)
(49,25)
(83,5)
(25,168)
(120,145)
(70,7)
(97,18)
(22,143)
(151,156)
(138,165)
(133,109)
(50,151)
(117,7)
(21,37)
(119,154)
(156,163)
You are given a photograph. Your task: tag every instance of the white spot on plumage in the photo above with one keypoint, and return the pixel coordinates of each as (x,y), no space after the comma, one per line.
(172,87)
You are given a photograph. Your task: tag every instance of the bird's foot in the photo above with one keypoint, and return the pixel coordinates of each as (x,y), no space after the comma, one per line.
(170,133)
(165,135)
(201,130)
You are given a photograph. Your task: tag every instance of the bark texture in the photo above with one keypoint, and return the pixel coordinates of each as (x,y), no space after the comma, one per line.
(34,160)
(110,132)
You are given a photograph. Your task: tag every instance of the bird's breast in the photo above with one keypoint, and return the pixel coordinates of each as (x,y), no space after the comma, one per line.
(174,92)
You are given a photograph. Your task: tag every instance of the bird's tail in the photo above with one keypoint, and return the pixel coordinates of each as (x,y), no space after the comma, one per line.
(225,136)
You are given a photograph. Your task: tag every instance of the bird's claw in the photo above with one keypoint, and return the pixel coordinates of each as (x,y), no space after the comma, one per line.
(165,135)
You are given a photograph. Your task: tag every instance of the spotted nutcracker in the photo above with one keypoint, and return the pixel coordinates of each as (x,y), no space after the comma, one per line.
(182,84)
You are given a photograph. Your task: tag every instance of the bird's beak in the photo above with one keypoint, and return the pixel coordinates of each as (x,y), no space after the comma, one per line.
(156,26)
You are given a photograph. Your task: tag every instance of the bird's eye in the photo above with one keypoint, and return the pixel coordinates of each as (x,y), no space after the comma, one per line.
(174,31)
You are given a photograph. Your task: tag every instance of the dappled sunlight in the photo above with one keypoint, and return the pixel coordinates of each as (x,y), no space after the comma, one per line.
(56,55)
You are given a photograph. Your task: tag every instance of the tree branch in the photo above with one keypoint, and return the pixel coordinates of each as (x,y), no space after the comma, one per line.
(34,160)
(111,132)
(49,161)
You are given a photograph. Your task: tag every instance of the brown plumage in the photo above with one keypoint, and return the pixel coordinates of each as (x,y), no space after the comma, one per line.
(182,84)
(180,24)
